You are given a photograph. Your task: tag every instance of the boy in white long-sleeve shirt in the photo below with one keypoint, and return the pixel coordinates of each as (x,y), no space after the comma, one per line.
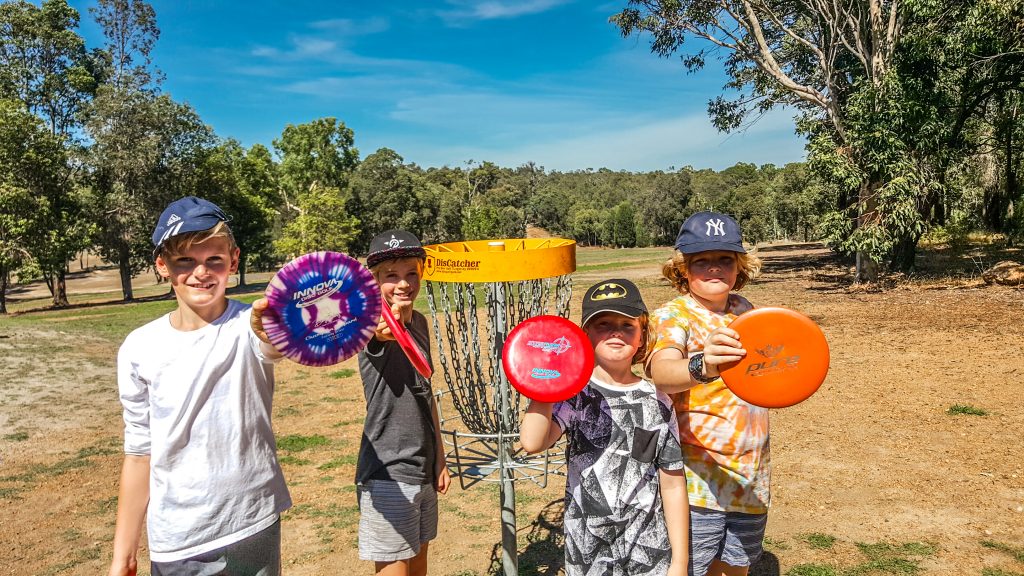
(196,385)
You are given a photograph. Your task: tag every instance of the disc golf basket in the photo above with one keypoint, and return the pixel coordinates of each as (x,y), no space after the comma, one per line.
(478,291)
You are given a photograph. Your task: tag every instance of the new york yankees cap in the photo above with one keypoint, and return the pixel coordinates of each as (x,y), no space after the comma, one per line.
(615,295)
(706,231)
(184,215)
(392,245)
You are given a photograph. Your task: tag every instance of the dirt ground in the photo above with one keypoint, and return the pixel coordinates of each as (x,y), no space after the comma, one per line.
(874,460)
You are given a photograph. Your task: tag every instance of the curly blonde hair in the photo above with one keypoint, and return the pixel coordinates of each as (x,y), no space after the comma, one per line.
(676,268)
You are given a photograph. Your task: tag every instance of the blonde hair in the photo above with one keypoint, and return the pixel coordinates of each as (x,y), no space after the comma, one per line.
(377,268)
(182,243)
(676,268)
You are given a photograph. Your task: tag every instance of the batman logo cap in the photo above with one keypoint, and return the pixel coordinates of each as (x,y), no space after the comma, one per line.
(615,295)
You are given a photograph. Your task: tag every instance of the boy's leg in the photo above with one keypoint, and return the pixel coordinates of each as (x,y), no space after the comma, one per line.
(707,536)
(744,538)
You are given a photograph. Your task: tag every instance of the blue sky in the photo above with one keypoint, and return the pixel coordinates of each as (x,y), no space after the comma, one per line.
(452,81)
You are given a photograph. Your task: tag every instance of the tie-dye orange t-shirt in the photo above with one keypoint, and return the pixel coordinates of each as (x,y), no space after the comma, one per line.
(724,439)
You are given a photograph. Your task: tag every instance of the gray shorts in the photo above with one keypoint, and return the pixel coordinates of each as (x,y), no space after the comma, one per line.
(733,537)
(257,555)
(395,519)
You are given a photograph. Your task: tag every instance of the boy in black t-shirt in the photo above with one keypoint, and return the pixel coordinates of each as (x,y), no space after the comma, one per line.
(401,458)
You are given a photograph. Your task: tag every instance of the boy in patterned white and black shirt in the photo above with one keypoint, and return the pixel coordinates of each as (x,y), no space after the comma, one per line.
(625,506)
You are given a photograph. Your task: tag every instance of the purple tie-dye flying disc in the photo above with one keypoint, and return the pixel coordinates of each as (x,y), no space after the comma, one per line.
(324,307)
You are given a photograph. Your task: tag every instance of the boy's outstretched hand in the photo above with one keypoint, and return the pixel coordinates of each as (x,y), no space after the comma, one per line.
(402,311)
(256,323)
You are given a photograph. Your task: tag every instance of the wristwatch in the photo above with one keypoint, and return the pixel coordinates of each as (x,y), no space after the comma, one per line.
(697,369)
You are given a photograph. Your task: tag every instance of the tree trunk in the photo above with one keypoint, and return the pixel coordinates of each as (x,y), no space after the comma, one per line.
(867,269)
(904,254)
(5,277)
(124,267)
(241,270)
(60,292)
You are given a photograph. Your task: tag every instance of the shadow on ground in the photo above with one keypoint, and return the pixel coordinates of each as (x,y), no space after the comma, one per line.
(543,554)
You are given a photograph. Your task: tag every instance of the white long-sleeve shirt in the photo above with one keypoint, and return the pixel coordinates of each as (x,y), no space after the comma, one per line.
(199,404)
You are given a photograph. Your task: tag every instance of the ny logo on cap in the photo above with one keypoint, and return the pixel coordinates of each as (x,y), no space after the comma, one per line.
(394,242)
(718,225)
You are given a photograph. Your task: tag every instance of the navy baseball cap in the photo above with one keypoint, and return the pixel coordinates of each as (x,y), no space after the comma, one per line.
(184,215)
(616,295)
(706,231)
(392,245)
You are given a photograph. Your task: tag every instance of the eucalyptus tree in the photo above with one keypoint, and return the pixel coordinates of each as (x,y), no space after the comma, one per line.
(812,55)
(243,183)
(45,68)
(146,149)
(384,196)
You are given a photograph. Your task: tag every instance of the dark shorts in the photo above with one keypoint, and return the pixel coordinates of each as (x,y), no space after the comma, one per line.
(257,555)
(734,538)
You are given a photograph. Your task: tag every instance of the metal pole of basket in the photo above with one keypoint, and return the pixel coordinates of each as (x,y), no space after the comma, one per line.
(525,278)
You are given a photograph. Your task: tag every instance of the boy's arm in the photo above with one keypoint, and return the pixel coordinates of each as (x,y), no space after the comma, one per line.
(670,371)
(670,368)
(444,479)
(538,431)
(677,517)
(132,501)
(256,321)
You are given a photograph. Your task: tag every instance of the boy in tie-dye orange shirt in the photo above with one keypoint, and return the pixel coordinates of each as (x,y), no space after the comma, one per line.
(724,439)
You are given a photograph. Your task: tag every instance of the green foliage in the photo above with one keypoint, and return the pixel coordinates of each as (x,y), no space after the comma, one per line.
(965,409)
(384,196)
(147,151)
(299,443)
(343,373)
(811,570)
(1017,552)
(820,541)
(324,223)
(316,155)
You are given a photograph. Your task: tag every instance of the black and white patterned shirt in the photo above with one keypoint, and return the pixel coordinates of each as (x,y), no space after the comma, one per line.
(618,439)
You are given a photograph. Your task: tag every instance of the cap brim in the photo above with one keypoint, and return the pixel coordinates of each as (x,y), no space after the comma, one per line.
(394,254)
(628,312)
(708,246)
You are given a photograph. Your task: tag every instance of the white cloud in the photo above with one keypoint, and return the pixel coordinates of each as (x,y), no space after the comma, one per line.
(350,27)
(473,10)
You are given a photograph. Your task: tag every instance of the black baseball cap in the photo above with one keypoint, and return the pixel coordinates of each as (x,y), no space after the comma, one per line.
(392,245)
(184,215)
(706,231)
(616,295)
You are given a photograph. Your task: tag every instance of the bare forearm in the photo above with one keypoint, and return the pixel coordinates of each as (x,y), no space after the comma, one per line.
(677,512)
(132,502)
(538,430)
(672,374)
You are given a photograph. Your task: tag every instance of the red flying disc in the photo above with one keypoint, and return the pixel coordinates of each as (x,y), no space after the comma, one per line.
(548,358)
(405,341)
(787,358)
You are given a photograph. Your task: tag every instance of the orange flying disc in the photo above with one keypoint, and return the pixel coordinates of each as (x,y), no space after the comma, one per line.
(787,358)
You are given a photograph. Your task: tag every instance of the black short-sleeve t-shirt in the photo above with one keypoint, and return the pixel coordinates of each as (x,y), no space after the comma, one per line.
(398,433)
